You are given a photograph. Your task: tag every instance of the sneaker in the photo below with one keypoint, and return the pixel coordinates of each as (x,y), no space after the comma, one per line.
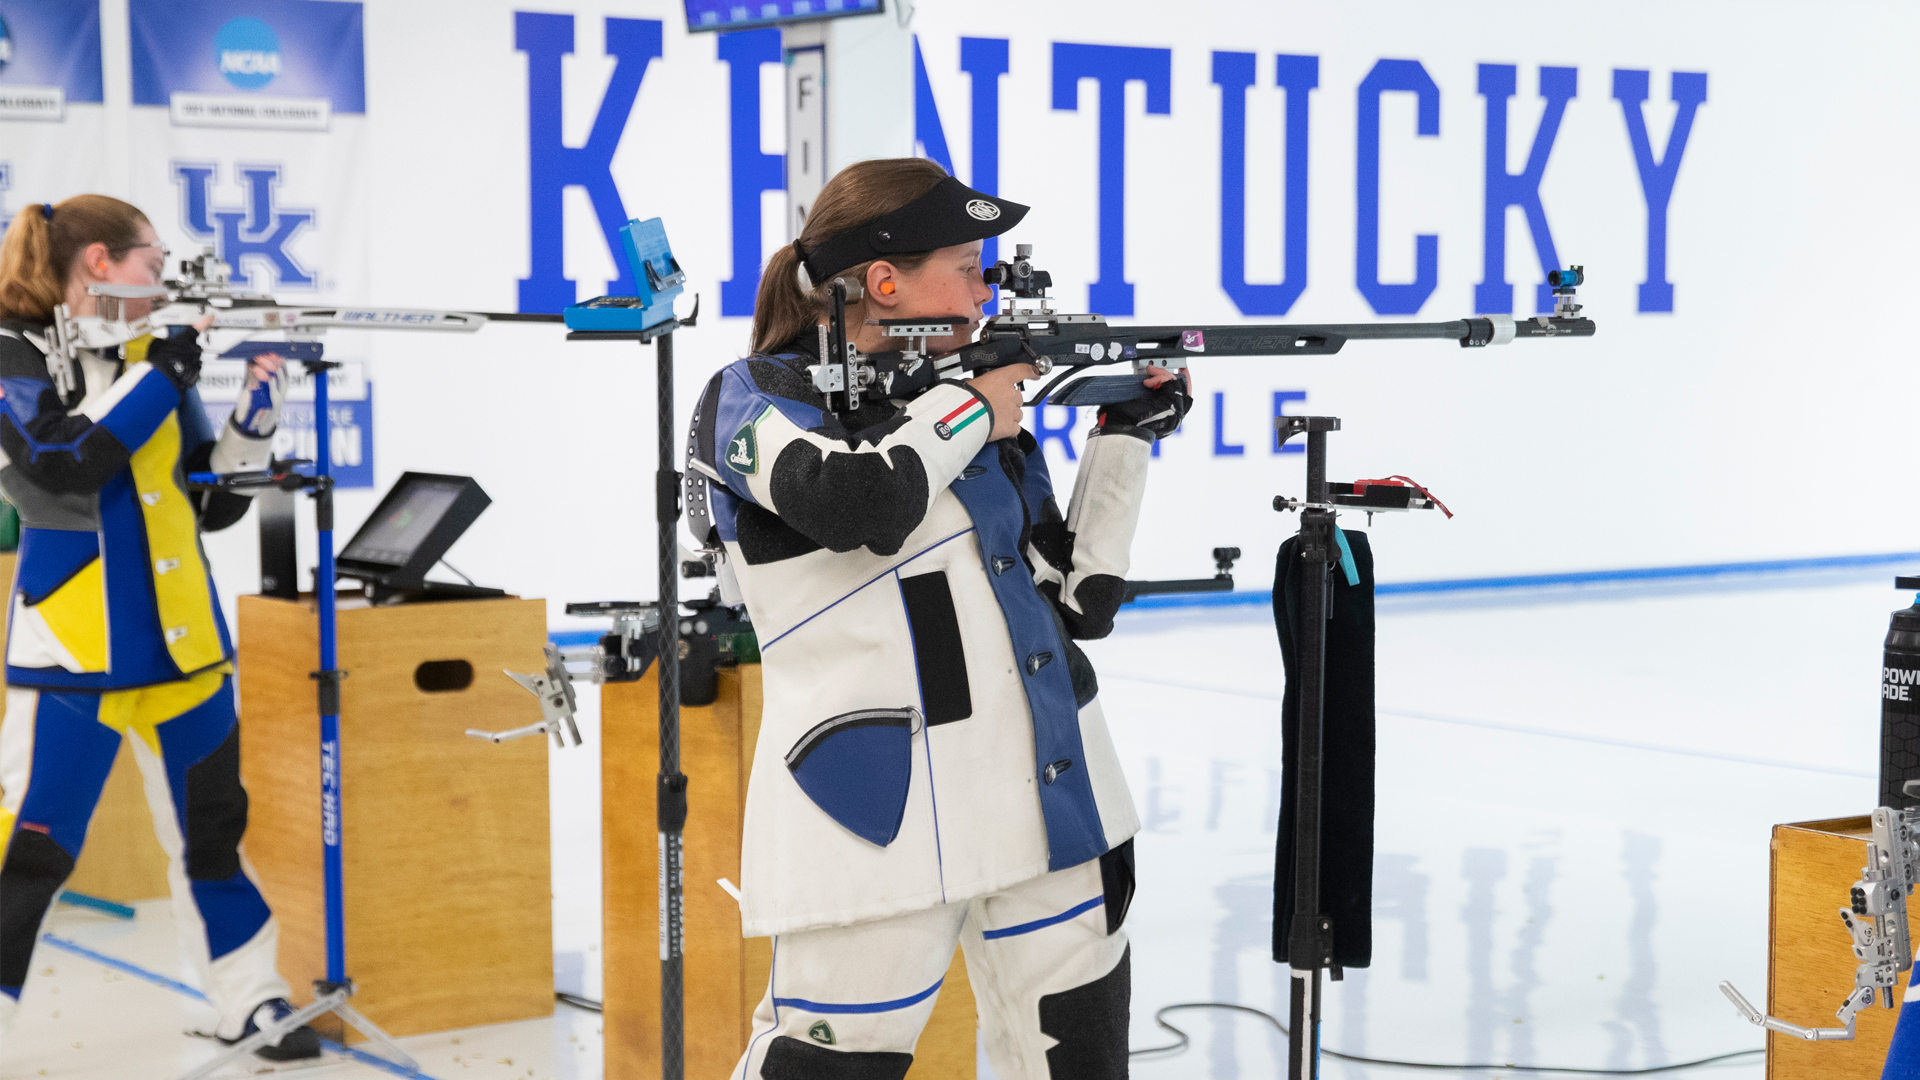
(296,1045)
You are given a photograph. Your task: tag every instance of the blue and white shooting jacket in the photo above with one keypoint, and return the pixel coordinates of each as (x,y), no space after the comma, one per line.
(930,732)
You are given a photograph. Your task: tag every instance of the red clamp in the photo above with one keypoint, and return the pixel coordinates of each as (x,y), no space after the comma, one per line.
(1396,480)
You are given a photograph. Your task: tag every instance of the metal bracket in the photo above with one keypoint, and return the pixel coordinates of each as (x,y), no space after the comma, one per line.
(554,688)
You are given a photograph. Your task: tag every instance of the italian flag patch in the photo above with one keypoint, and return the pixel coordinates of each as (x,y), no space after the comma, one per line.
(959,418)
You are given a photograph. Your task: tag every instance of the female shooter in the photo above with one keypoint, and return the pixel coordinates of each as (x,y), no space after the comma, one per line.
(114,626)
(932,765)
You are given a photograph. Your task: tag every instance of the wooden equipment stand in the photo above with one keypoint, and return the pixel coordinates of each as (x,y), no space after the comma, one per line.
(1810,959)
(726,975)
(448,881)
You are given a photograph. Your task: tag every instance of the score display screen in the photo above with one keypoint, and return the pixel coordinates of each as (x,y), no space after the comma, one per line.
(741,14)
(391,540)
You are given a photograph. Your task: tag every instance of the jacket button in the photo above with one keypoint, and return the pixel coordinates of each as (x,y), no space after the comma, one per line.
(1002,564)
(175,633)
(151,498)
(1036,661)
(1053,771)
(161,566)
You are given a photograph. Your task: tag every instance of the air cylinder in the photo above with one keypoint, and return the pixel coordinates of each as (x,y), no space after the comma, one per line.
(1900,702)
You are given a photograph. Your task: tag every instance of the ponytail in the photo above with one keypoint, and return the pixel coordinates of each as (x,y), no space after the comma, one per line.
(43,243)
(857,194)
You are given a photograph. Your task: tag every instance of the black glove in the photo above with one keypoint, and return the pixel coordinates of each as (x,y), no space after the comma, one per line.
(177,357)
(1154,416)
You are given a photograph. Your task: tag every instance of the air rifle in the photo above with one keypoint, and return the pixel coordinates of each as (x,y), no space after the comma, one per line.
(1029,330)
(205,287)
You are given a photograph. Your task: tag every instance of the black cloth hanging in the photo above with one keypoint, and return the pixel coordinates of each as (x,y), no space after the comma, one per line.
(1346,813)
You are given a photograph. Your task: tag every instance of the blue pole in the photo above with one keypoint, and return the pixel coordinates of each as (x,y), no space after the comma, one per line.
(329,680)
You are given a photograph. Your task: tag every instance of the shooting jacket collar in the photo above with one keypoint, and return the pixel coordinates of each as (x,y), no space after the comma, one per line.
(952,213)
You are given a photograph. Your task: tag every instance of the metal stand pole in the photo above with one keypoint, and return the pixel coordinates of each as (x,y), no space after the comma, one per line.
(671,793)
(331,993)
(329,689)
(1310,939)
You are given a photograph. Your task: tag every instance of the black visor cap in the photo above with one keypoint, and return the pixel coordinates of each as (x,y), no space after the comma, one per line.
(952,213)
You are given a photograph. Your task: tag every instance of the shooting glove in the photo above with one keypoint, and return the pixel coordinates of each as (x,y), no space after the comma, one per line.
(257,413)
(1155,416)
(177,357)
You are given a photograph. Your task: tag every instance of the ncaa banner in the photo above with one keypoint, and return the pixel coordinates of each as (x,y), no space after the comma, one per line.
(52,127)
(248,137)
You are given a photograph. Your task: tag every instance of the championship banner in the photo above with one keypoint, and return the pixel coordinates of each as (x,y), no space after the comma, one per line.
(248,137)
(52,127)
(350,401)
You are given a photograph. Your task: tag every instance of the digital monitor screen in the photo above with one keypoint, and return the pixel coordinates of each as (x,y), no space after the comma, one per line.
(744,14)
(391,539)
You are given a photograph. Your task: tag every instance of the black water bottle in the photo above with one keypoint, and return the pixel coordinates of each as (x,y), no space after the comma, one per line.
(1900,701)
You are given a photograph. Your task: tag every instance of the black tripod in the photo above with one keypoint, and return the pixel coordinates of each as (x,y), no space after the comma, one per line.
(671,792)
(1310,939)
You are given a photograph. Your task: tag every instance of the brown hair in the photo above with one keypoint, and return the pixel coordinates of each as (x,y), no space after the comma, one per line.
(38,253)
(857,194)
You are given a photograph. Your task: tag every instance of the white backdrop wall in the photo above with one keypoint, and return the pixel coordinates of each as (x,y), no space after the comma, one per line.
(1765,415)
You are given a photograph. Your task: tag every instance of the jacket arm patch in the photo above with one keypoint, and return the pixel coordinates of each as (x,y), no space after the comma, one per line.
(843,501)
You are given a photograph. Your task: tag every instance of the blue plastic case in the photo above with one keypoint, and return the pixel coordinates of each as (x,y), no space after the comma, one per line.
(656,274)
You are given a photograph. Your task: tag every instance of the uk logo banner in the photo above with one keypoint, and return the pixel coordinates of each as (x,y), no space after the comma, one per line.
(249,139)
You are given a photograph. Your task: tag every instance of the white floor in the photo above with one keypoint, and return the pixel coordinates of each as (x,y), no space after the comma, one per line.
(1575,796)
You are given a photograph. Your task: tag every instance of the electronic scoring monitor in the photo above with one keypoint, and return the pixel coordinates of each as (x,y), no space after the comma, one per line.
(416,522)
(745,14)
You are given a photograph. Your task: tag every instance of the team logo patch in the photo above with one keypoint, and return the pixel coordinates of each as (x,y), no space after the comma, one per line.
(983,210)
(821,1032)
(957,420)
(743,450)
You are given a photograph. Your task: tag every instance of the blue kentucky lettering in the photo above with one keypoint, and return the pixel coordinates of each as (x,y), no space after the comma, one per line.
(255,234)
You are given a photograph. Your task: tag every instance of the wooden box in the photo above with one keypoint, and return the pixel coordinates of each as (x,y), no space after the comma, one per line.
(725,974)
(448,885)
(1810,960)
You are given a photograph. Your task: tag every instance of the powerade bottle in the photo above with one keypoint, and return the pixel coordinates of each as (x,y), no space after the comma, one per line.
(1900,701)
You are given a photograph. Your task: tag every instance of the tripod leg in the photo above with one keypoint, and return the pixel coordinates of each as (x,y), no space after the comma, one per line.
(321,1006)
(1303,1025)
(374,1035)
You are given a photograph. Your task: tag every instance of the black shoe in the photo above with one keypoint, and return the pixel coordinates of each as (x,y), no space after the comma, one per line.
(297,1045)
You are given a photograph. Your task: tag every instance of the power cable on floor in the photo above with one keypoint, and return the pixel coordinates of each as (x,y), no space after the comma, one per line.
(1183,1041)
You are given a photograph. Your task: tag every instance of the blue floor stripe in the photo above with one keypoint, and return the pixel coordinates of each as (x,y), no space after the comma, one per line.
(118,911)
(1516,729)
(1677,575)
(175,985)
(365,1058)
(134,970)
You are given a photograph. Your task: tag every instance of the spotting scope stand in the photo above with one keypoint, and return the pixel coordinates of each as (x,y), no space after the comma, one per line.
(672,783)
(331,994)
(1310,939)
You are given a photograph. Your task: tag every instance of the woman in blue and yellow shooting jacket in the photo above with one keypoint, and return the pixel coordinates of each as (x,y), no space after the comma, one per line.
(113,626)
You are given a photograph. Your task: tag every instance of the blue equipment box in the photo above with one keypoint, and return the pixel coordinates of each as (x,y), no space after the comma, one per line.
(657,276)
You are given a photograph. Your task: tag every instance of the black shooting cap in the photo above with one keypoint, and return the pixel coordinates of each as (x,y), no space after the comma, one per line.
(952,213)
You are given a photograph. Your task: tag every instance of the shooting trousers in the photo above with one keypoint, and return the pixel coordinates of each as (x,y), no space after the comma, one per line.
(56,751)
(1346,787)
